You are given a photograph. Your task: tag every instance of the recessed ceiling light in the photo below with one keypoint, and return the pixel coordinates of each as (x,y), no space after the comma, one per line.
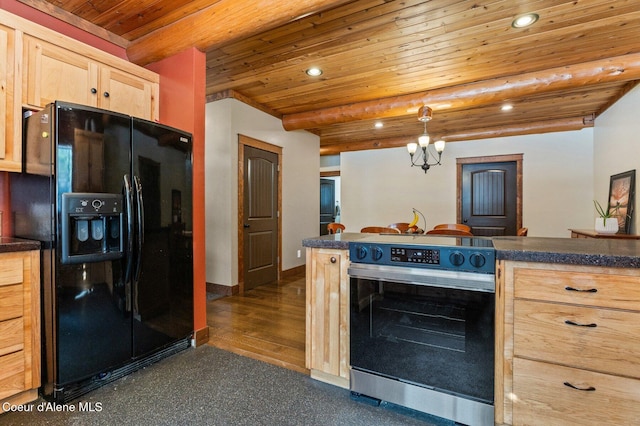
(314,72)
(525,20)
(507,107)
(378,125)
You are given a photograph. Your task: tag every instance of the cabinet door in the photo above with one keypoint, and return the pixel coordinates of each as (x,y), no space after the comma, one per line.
(54,73)
(127,93)
(5,77)
(328,316)
(10,143)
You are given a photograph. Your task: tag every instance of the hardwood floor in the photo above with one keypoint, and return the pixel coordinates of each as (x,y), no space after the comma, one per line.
(266,323)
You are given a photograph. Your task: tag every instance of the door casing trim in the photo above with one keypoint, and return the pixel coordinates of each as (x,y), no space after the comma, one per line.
(265,146)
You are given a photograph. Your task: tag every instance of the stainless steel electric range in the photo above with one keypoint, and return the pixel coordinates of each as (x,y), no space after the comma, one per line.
(422,324)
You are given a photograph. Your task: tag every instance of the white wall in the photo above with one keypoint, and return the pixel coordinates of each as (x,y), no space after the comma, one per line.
(617,147)
(226,119)
(379,186)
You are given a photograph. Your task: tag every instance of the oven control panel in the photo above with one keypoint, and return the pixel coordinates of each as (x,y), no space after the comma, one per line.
(461,258)
(412,255)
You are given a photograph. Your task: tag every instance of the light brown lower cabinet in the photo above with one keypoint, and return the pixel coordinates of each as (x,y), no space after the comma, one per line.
(19,327)
(567,345)
(327,316)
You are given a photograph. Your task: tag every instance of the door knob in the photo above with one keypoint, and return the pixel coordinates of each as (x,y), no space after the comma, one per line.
(246,225)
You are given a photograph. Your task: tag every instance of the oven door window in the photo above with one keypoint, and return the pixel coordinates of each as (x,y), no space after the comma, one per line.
(435,337)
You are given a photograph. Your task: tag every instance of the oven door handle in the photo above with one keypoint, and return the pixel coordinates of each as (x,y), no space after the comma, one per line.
(427,277)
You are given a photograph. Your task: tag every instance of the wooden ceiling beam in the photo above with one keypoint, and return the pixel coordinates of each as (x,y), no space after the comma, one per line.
(222,22)
(620,68)
(562,125)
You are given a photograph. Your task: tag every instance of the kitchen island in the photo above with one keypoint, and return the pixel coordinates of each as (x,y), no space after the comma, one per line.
(566,326)
(576,251)
(567,315)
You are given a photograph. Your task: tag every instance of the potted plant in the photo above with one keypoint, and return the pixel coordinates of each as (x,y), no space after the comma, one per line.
(604,226)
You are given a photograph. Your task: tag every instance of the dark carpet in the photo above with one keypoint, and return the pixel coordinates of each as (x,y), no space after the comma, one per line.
(209,386)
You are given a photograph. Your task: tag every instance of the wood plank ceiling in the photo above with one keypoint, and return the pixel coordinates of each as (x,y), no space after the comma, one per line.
(383,59)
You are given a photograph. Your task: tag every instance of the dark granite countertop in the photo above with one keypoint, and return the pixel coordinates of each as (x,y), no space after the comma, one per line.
(573,251)
(10,244)
(336,241)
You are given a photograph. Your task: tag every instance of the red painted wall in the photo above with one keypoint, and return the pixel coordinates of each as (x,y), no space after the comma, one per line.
(5,204)
(182,99)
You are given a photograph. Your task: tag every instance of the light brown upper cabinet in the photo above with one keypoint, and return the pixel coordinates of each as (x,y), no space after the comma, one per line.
(54,72)
(10,143)
(39,66)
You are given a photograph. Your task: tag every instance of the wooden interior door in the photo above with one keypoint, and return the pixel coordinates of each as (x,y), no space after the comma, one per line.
(490,196)
(260,214)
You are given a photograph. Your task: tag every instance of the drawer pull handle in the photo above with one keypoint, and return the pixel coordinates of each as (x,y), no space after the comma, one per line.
(333,260)
(589,389)
(593,325)
(590,290)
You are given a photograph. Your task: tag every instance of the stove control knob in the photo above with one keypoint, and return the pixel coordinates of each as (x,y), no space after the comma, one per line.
(361,252)
(376,253)
(456,258)
(477,260)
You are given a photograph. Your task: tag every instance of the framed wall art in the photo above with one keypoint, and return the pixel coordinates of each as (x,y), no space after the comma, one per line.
(621,197)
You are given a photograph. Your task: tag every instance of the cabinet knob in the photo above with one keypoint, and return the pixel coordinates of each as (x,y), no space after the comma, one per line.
(333,259)
(106,94)
(94,90)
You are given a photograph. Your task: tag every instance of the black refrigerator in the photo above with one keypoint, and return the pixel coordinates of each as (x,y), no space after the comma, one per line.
(109,196)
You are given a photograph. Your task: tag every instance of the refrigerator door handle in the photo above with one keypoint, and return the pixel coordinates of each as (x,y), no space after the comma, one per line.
(140,210)
(128,196)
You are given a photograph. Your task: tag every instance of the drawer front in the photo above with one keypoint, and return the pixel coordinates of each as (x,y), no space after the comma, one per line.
(11,336)
(541,396)
(593,338)
(11,270)
(11,301)
(605,290)
(11,374)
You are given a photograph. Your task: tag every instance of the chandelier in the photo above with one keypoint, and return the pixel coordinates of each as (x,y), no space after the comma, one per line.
(424,115)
